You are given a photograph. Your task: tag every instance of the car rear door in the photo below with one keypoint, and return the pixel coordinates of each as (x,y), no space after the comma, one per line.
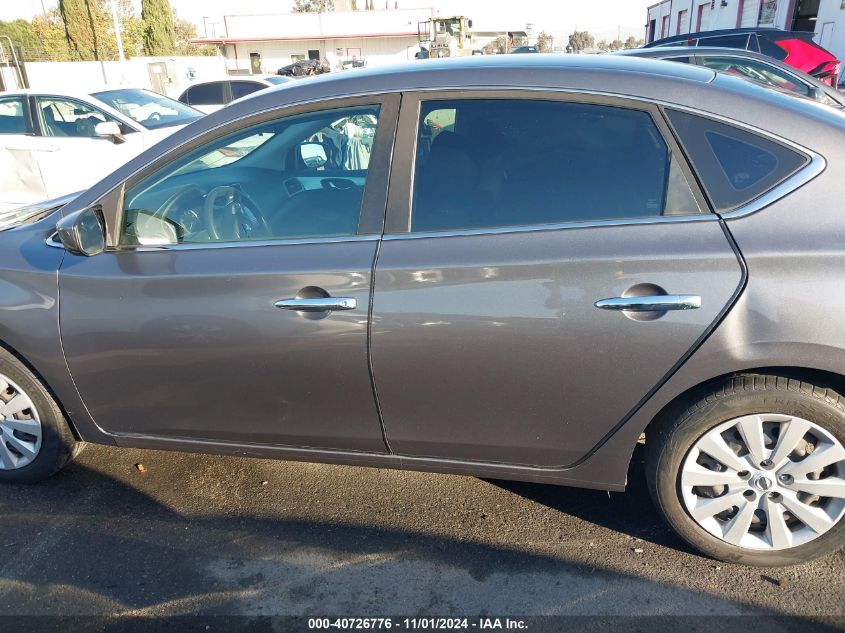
(20,178)
(240,334)
(550,265)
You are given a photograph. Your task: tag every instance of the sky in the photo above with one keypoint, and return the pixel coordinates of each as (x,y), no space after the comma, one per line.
(603,18)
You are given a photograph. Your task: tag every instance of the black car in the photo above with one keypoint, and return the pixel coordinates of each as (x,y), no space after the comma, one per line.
(795,48)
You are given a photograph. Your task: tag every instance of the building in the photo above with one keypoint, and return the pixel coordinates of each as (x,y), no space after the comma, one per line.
(265,43)
(826,18)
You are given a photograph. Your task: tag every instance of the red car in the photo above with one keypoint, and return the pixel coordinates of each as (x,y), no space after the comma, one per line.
(795,48)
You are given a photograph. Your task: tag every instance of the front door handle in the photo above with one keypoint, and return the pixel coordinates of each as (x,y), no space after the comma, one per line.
(318,304)
(657,303)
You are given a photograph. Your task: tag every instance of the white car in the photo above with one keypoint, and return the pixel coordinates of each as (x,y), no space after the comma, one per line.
(52,144)
(210,96)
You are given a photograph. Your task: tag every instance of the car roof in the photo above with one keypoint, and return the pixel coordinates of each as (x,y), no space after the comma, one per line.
(73,94)
(766,30)
(686,51)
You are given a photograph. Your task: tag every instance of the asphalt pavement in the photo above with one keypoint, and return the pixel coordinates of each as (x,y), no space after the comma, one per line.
(187,534)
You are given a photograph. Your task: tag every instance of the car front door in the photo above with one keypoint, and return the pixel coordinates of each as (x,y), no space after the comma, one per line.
(70,153)
(547,269)
(235,306)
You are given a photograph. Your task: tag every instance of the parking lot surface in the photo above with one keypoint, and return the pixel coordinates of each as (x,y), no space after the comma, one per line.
(195,534)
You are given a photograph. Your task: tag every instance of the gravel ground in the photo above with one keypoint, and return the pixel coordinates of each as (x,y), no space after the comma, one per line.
(196,534)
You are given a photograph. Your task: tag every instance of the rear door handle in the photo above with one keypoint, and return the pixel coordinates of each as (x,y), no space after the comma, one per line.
(657,303)
(318,304)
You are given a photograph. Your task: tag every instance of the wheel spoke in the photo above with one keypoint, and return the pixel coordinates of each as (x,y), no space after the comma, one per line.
(751,429)
(778,533)
(15,405)
(27,449)
(817,460)
(814,518)
(738,526)
(697,475)
(32,427)
(828,487)
(791,434)
(7,460)
(714,445)
(711,507)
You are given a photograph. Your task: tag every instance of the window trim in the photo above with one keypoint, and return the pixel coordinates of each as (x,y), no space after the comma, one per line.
(374,201)
(400,199)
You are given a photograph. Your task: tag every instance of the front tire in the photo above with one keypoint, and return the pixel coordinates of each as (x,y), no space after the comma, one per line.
(753,470)
(35,439)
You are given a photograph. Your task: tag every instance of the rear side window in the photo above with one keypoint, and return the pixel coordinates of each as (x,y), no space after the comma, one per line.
(205,94)
(735,166)
(771,49)
(725,41)
(484,163)
(244,88)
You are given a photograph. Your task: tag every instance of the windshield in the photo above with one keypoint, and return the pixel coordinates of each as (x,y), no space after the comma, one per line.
(148,108)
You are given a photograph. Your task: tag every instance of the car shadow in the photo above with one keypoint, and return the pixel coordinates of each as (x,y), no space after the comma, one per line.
(89,542)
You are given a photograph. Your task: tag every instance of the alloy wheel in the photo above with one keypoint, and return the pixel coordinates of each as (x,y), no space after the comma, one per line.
(20,427)
(765,482)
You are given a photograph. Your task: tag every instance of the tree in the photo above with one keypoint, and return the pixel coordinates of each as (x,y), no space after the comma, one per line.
(159,31)
(313,6)
(603,46)
(498,46)
(84,21)
(581,41)
(617,45)
(50,30)
(185,32)
(633,42)
(23,37)
(545,42)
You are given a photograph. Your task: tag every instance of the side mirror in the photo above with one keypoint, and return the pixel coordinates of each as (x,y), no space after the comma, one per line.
(313,154)
(109,129)
(83,232)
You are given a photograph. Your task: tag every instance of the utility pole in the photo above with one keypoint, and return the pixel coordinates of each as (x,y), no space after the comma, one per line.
(117,32)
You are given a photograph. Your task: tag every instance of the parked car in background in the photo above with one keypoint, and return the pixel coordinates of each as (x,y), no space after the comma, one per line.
(210,96)
(461,266)
(795,48)
(55,143)
(748,65)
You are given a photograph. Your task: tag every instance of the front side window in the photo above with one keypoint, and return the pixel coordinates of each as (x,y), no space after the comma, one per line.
(12,118)
(151,110)
(757,71)
(735,166)
(297,177)
(487,163)
(69,117)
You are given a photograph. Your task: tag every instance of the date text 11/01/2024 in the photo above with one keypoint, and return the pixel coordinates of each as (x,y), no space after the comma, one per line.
(415,624)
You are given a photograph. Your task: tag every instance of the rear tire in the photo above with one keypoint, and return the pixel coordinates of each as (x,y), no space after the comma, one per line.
(777,510)
(35,438)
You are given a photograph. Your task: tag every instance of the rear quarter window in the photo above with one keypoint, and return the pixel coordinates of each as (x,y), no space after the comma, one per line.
(735,166)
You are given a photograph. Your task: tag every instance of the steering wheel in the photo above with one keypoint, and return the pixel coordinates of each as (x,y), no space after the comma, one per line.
(86,126)
(240,219)
(154,117)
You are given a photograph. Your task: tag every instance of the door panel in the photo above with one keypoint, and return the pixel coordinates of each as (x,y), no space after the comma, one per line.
(489,347)
(188,343)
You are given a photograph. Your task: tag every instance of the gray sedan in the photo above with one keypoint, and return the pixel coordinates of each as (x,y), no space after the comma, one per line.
(516,267)
(749,65)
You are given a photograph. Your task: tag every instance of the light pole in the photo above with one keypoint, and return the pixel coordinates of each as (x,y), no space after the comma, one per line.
(117,32)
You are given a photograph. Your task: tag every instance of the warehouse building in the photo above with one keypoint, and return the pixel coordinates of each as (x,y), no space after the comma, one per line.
(825,18)
(265,43)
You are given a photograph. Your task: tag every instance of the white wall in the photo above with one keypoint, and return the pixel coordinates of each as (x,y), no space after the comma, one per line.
(376,50)
(81,76)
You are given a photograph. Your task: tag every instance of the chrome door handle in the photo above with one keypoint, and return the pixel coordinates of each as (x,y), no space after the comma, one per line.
(658,303)
(318,304)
